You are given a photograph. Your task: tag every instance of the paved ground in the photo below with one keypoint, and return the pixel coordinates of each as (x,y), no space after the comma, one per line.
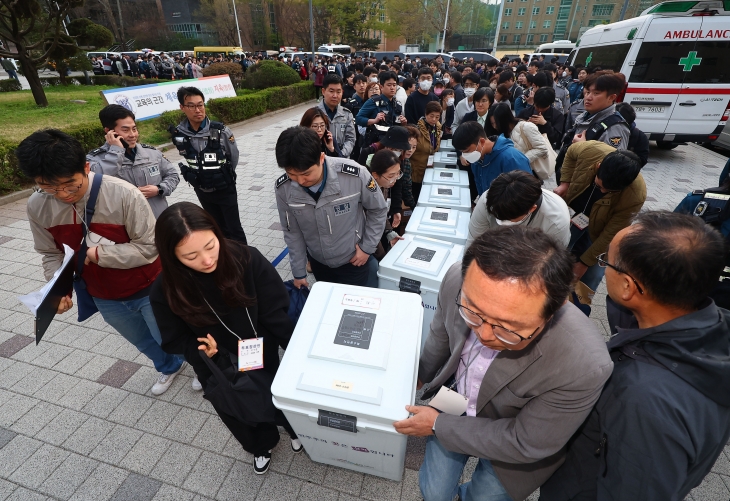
(77,420)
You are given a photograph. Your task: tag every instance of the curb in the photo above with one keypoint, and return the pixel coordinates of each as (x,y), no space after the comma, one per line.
(168,146)
(14,197)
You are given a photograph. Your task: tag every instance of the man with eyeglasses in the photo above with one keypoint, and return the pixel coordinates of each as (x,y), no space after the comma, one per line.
(604,190)
(211,155)
(121,261)
(663,418)
(514,368)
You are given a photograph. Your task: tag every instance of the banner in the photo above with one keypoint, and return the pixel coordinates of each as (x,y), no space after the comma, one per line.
(150,101)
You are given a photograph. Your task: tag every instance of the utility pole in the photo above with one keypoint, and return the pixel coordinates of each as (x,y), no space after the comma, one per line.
(623,10)
(121,24)
(499,25)
(311,37)
(446,23)
(238,30)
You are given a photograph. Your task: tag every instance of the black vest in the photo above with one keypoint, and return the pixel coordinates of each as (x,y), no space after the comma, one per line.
(209,169)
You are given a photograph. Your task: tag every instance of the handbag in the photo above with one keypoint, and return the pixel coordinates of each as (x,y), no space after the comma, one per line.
(543,167)
(297,298)
(84,302)
(246,395)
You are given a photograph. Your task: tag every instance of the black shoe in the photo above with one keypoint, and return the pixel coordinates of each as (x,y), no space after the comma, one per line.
(296,445)
(261,463)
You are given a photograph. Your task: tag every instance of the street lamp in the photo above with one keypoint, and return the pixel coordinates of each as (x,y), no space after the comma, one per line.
(238,30)
(446,22)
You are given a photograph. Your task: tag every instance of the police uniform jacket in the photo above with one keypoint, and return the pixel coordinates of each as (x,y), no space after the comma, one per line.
(199,139)
(375,105)
(616,135)
(150,167)
(351,210)
(342,127)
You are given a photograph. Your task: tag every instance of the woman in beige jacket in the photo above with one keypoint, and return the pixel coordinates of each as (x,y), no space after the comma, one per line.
(524,135)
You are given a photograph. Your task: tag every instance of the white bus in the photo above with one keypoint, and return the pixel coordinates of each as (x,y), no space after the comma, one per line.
(557,47)
(345,50)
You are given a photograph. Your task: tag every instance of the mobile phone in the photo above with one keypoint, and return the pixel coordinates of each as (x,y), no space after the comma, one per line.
(124,143)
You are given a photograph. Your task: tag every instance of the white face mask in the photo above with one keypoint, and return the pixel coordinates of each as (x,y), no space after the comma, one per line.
(472,156)
(418,61)
(450,101)
(565,74)
(398,152)
(447,79)
(425,85)
(468,92)
(373,79)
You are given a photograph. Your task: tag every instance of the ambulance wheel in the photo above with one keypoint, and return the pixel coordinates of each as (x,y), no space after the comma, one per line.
(666,145)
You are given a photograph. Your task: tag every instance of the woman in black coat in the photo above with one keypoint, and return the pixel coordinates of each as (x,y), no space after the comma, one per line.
(211,293)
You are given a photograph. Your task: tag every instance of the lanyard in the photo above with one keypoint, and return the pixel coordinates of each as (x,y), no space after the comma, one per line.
(466,369)
(589,198)
(224,325)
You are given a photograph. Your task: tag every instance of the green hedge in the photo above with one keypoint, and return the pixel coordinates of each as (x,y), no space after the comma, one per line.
(236,109)
(267,74)
(10,85)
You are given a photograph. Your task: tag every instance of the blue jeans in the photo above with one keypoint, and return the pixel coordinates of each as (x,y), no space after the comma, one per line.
(441,470)
(135,321)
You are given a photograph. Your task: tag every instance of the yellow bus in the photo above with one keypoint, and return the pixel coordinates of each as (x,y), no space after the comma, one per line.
(215,51)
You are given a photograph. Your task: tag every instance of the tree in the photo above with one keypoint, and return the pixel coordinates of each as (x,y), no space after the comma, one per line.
(90,34)
(149,34)
(35,28)
(218,15)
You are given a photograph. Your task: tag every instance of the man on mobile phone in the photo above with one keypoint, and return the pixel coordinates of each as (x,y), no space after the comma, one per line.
(542,113)
(139,164)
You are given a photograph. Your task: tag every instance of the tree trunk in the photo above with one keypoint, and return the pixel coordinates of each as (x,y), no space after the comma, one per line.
(31,73)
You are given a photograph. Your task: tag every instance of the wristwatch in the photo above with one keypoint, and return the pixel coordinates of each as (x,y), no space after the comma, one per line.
(159,190)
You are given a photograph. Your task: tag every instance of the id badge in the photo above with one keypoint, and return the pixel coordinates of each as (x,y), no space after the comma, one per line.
(251,354)
(450,402)
(430,161)
(154,170)
(580,221)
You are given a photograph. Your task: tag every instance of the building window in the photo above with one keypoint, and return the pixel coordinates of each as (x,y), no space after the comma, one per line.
(510,1)
(508,12)
(529,38)
(502,38)
(521,11)
(382,12)
(272,18)
(533,25)
(546,23)
(505,26)
(535,11)
(518,25)
(516,38)
(543,38)
(176,14)
(550,10)
(602,10)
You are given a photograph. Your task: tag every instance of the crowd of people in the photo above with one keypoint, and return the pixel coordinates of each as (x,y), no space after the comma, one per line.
(546,402)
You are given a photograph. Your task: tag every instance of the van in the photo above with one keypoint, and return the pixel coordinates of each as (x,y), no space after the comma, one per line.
(676,60)
(430,55)
(556,47)
(215,51)
(479,57)
(105,55)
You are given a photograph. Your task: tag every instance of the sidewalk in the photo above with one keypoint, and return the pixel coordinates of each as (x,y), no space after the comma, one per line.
(77,420)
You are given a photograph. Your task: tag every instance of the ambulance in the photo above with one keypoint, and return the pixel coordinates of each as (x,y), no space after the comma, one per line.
(676,59)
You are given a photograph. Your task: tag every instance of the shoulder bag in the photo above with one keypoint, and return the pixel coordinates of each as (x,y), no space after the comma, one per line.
(84,302)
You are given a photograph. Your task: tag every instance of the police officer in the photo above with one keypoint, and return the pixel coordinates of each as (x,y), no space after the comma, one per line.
(331,211)
(354,104)
(382,110)
(342,124)
(139,164)
(211,155)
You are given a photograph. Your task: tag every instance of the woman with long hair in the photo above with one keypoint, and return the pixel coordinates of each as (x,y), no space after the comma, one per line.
(525,135)
(316,119)
(212,295)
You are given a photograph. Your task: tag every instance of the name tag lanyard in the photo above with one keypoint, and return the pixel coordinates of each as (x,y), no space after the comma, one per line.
(580,220)
(250,351)
(448,400)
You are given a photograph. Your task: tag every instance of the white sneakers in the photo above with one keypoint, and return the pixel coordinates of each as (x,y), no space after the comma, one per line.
(296,445)
(196,384)
(165,380)
(261,463)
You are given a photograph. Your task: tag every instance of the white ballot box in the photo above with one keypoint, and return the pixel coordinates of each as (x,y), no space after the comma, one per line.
(445,159)
(441,195)
(348,373)
(418,264)
(449,177)
(446,145)
(450,225)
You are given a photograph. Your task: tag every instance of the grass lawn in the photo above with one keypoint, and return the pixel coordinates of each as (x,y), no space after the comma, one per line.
(20,110)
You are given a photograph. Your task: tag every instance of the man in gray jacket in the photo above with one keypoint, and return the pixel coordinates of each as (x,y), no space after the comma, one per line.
(332,212)
(517,369)
(139,164)
(342,123)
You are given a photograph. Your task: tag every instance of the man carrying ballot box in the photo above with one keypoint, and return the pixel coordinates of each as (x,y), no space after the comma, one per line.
(513,367)
(121,260)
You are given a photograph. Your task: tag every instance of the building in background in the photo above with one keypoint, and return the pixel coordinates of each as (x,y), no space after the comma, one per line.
(181,16)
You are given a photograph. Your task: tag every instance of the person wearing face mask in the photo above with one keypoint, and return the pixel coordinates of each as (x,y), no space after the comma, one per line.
(471,84)
(438,88)
(212,294)
(447,115)
(446,78)
(517,198)
(386,170)
(416,103)
(487,157)
(429,142)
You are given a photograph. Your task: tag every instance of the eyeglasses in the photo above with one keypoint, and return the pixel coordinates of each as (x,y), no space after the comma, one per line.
(318,127)
(66,189)
(192,107)
(474,320)
(391,178)
(603,262)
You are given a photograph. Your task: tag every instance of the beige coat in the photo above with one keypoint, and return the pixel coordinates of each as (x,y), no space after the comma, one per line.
(528,140)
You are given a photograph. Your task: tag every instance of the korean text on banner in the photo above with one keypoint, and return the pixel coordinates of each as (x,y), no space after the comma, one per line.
(150,101)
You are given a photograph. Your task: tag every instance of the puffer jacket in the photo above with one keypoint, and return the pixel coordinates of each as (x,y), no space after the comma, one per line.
(528,140)
(419,160)
(614,211)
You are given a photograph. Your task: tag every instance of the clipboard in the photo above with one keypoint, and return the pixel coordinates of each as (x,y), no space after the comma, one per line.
(49,306)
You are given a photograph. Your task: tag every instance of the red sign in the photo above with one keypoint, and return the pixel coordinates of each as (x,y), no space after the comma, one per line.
(674,35)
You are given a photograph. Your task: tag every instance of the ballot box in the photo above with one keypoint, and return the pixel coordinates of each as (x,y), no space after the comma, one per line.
(418,264)
(445,159)
(442,195)
(450,225)
(446,145)
(348,373)
(447,177)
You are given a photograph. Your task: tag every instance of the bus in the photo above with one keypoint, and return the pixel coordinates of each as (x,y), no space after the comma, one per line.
(215,51)
(345,50)
(557,47)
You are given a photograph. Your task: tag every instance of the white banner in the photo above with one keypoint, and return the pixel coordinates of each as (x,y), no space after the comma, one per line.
(150,101)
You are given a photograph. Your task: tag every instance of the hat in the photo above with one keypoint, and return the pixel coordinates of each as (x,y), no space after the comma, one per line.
(396,138)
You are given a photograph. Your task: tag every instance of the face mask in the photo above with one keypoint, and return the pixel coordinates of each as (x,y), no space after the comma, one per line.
(450,101)
(418,61)
(473,156)
(507,222)
(493,86)
(468,92)
(424,84)
(438,74)
(447,79)
(438,91)
(398,152)
(373,79)
(565,74)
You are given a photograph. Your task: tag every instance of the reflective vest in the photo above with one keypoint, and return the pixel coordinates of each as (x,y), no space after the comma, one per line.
(208,169)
